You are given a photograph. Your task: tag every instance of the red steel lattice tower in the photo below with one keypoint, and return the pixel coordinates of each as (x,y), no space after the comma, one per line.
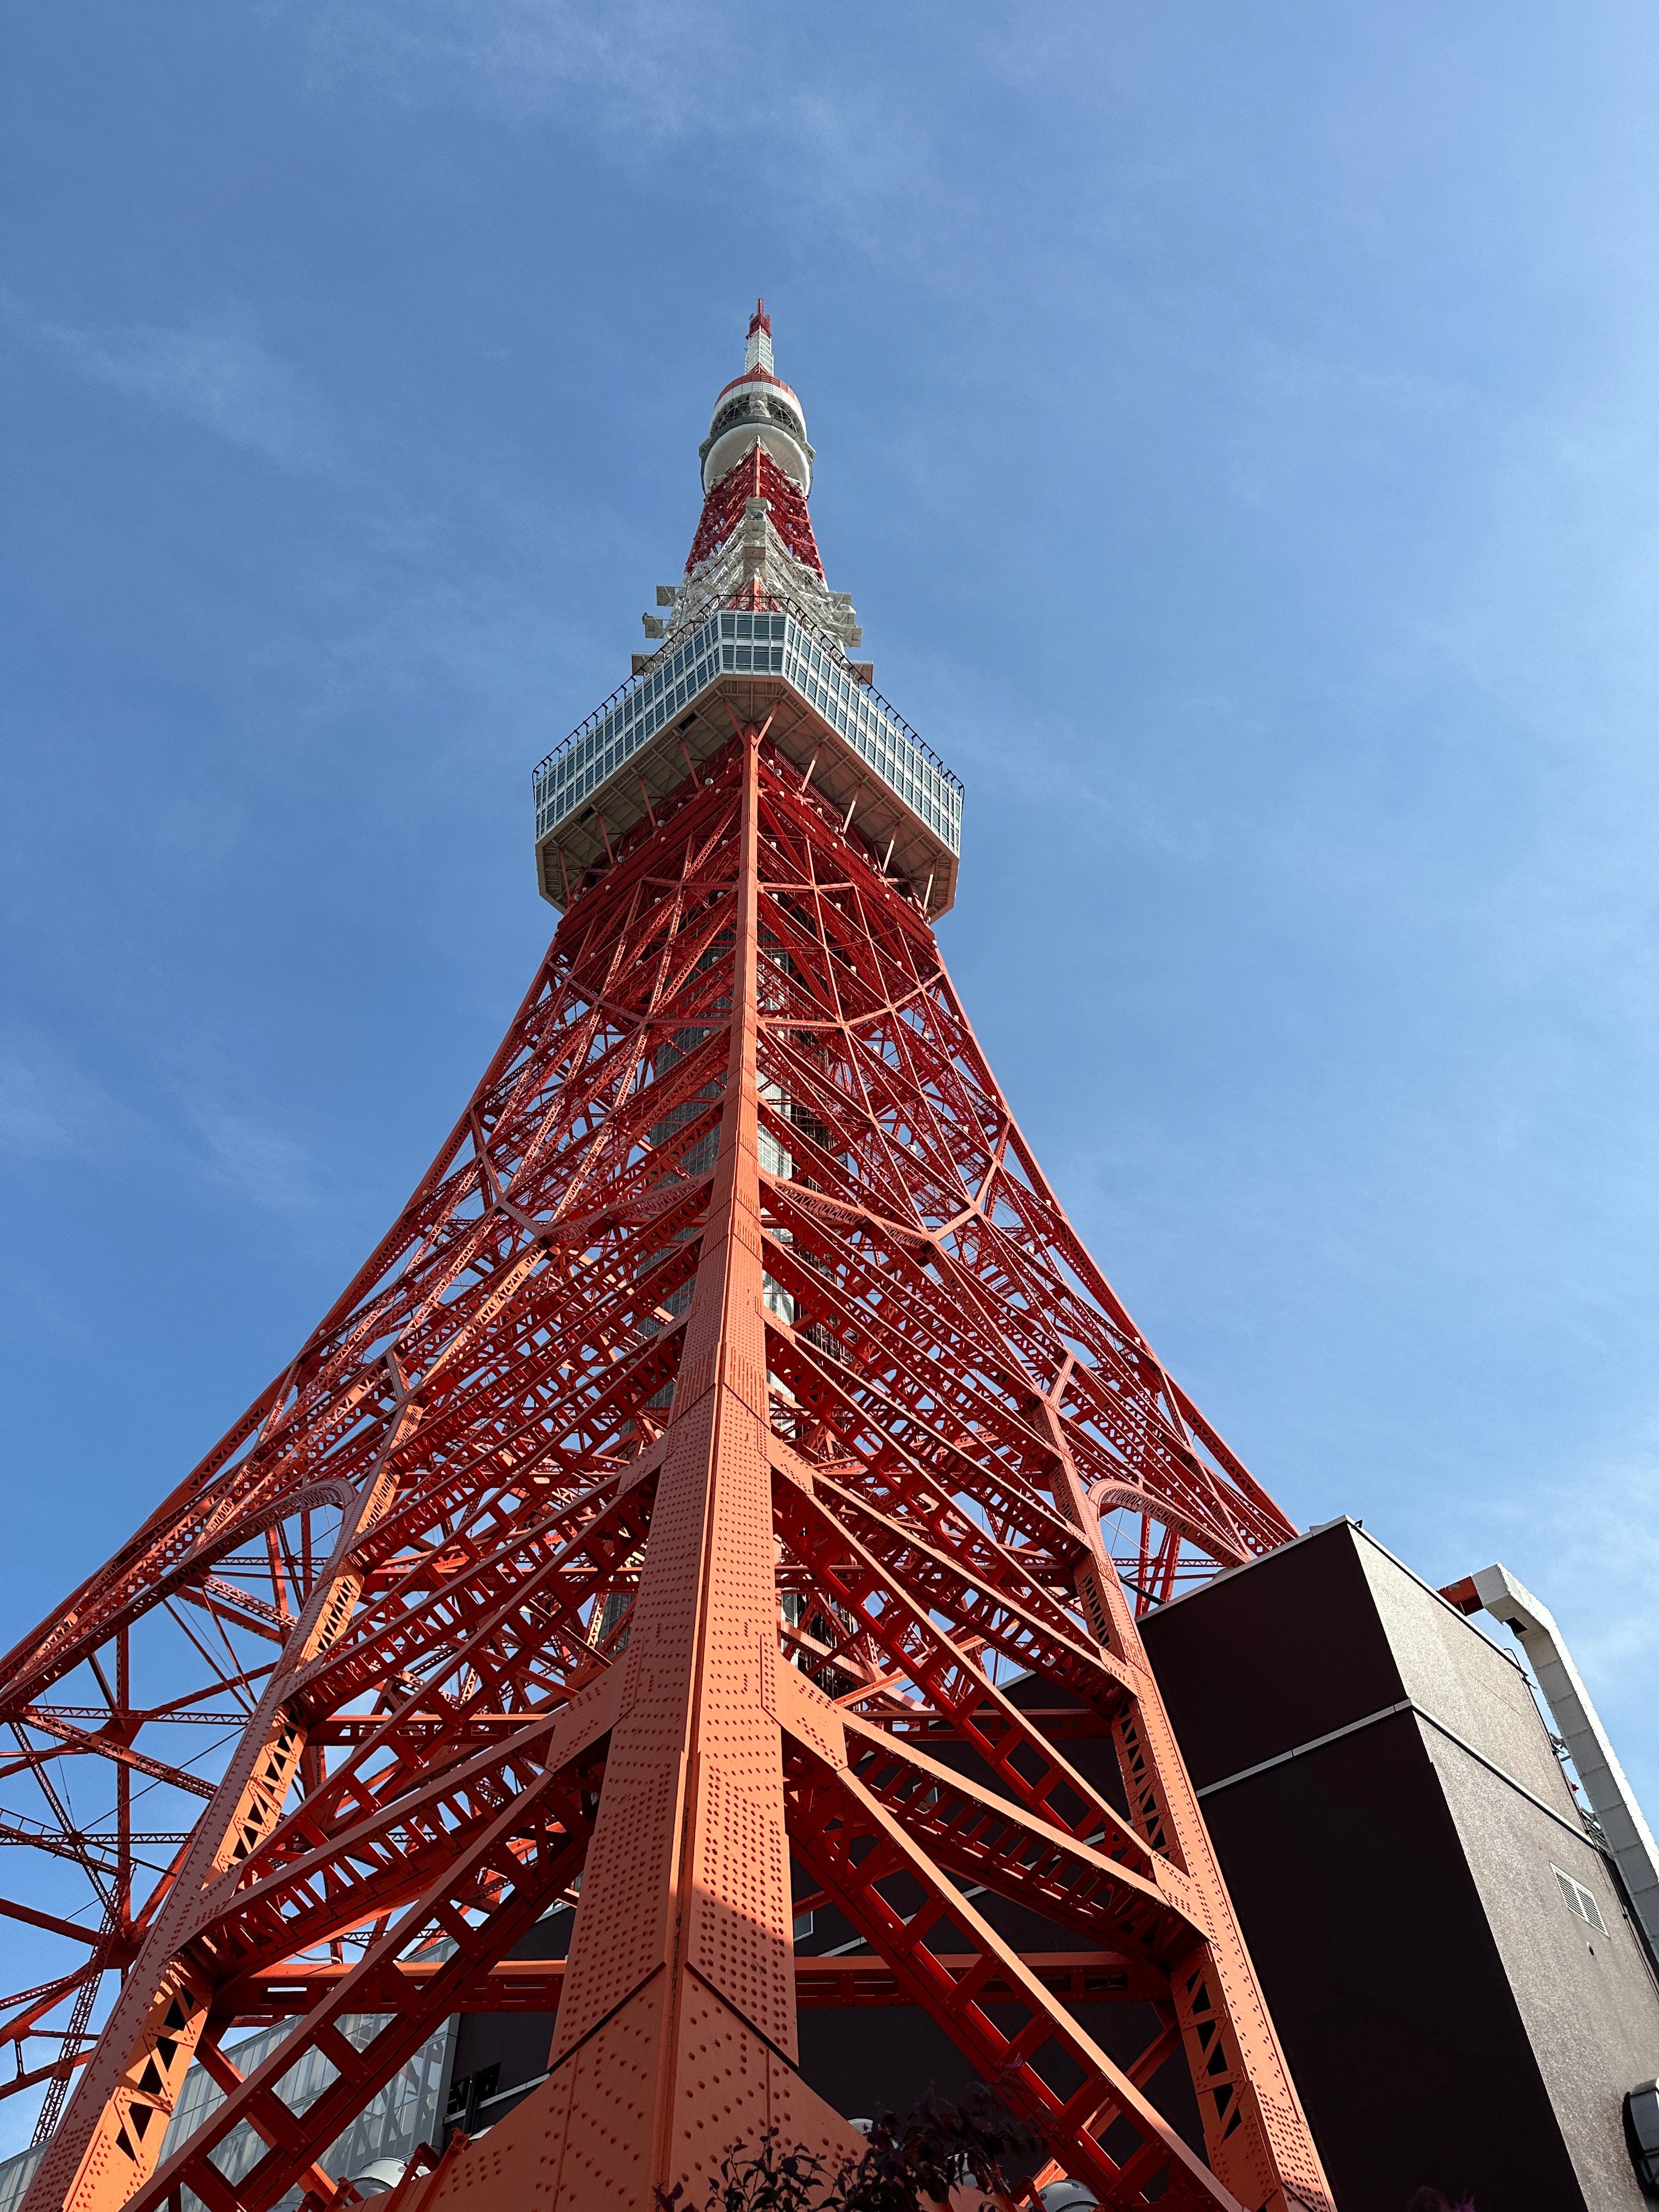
(729,1424)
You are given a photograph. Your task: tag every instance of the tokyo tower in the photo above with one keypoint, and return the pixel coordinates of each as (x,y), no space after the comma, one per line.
(729,1491)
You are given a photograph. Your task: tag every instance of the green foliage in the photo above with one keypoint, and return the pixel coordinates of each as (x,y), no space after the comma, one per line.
(906,2165)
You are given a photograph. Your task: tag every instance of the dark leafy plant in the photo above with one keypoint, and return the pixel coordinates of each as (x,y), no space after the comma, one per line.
(906,2164)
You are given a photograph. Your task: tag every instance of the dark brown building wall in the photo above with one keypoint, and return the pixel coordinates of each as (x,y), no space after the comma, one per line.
(1447,2018)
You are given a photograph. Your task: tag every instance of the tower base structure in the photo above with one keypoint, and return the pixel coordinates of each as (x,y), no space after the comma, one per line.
(729,1458)
(1460,1980)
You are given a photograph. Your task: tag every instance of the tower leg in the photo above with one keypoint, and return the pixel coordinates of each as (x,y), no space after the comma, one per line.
(109,2141)
(676,2036)
(1256,2133)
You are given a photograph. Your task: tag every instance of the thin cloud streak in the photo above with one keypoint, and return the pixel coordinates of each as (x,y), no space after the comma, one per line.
(50,1108)
(646,79)
(215,372)
(253,1160)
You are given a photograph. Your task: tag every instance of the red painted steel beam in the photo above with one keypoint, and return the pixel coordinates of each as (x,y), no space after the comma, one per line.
(514,1986)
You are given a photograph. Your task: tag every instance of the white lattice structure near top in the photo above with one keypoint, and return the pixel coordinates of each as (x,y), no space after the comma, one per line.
(758,352)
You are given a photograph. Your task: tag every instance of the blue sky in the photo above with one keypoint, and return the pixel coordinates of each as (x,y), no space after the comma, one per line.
(1236,428)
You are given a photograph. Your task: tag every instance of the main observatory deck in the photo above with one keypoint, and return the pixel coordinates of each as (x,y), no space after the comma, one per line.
(749,662)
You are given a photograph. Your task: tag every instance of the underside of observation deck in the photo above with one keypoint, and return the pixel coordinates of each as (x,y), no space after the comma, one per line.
(916,860)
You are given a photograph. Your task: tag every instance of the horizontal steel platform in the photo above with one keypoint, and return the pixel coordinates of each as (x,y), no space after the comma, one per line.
(646,741)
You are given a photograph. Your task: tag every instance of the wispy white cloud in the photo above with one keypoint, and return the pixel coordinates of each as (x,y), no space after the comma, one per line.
(51,1107)
(215,372)
(253,1160)
(1602,1551)
(521,55)
(646,76)
(1585,1543)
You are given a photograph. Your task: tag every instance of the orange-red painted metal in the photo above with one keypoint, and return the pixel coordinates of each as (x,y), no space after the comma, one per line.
(757,476)
(729,1418)
(538,1985)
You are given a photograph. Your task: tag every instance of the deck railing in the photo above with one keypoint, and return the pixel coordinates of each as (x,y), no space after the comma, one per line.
(781,640)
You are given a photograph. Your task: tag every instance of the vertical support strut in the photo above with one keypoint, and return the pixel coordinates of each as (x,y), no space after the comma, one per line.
(676,2034)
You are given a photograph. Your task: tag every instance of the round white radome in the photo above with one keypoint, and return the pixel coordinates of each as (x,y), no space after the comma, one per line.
(787,450)
(728,451)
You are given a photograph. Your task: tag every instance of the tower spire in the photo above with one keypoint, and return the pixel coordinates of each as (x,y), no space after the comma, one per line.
(758,406)
(759,354)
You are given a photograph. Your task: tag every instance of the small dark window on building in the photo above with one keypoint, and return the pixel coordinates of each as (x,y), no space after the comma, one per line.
(468,2094)
(1580,1900)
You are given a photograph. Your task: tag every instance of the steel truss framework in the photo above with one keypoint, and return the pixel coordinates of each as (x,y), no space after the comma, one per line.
(729,1415)
(757,476)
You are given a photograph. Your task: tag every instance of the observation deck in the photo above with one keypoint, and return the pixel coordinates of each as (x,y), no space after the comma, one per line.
(647,737)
